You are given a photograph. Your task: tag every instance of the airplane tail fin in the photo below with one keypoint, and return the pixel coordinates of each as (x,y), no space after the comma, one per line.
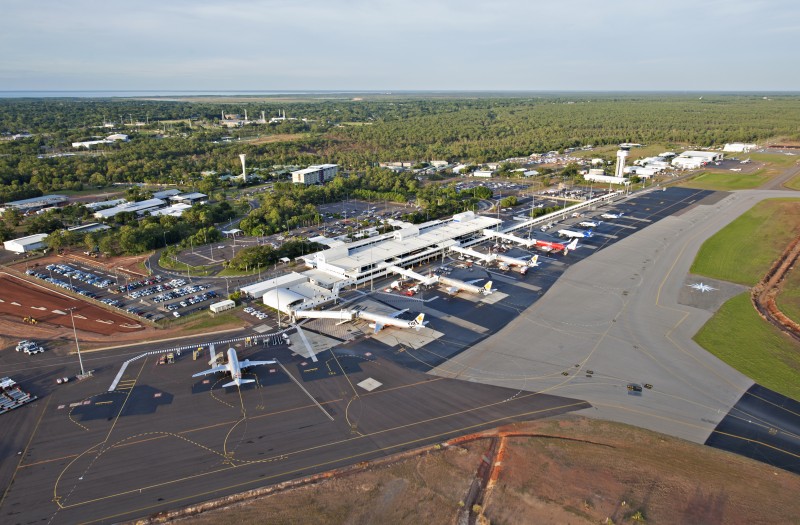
(378,327)
(417,323)
(534,260)
(589,233)
(571,246)
(487,288)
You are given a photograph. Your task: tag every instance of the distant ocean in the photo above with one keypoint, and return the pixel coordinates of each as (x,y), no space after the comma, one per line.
(157,93)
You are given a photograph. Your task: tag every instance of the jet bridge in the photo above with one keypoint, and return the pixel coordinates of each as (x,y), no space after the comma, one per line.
(469,252)
(411,274)
(441,279)
(509,237)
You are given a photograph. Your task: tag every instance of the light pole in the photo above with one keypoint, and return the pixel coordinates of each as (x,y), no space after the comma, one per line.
(77,346)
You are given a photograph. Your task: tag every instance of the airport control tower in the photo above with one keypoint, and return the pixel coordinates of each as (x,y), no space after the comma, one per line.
(622,154)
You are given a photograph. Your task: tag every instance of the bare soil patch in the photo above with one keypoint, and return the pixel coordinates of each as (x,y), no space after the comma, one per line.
(21,298)
(564,470)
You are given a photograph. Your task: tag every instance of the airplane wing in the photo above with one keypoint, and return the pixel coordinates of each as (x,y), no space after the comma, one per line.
(221,368)
(474,281)
(399,313)
(247,363)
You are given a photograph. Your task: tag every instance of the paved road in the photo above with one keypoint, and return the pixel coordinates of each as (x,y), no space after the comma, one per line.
(635,331)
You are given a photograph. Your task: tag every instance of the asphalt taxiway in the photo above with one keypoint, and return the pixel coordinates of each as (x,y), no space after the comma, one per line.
(163,440)
(638,329)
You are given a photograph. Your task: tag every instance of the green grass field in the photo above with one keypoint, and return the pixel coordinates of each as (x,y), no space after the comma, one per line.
(737,335)
(743,251)
(166,261)
(727,181)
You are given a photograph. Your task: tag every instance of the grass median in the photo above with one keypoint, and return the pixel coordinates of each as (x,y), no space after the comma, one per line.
(740,337)
(743,251)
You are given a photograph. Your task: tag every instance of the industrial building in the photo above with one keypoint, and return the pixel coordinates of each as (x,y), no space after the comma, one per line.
(26,244)
(166,194)
(101,205)
(315,174)
(35,203)
(189,198)
(739,147)
(689,160)
(176,210)
(606,179)
(108,140)
(89,228)
(139,208)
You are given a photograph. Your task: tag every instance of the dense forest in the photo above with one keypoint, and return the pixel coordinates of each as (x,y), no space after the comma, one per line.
(176,140)
(180,142)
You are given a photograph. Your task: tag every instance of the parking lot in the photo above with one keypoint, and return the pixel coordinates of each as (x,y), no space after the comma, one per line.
(148,297)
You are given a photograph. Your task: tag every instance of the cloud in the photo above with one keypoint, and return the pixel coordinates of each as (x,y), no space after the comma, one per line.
(393,44)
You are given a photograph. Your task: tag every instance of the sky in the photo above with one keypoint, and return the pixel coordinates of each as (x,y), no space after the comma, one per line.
(379,45)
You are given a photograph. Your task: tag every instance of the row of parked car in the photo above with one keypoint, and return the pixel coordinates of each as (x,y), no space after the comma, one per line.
(29,347)
(173,307)
(255,313)
(180,292)
(133,285)
(86,277)
(58,282)
(174,283)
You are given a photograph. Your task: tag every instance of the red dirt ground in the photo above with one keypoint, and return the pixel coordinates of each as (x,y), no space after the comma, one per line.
(21,298)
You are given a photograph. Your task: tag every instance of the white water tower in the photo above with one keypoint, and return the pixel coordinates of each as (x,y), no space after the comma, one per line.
(622,154)
(244,173)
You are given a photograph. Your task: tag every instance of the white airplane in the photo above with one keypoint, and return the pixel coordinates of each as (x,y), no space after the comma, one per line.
(612,215)
(575,234)
(234,367)
(466,286)
(380,321)
(588,224)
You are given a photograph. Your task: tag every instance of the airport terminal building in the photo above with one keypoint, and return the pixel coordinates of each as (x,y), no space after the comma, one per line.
(348,264)
(368,258)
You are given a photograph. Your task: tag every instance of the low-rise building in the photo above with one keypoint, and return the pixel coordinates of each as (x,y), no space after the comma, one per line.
(101,205)
(189,198)
(315,174)
(89,228)
(607,179)
(689,160)
(108,140)
(35,203)
(26,244)
(139,208)
(221,306)
(166,194)
(739,147)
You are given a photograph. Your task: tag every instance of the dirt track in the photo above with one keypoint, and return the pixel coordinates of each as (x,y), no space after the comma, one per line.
(764,293)
(22,298)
